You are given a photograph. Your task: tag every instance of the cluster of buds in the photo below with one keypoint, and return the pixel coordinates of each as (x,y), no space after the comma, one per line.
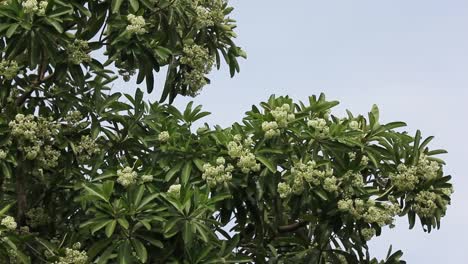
(146,178)
(9,223)
(3,154)
(73,117)
(407,177)
(86,148)
(367,233)
(9,69)
(369,211)
(208,13)
(320,126)
(351,180)
(271,129)
(37,217)
(354,125)
(283,115)
(33,7)
(217,174)
(310,173)
(284,190)
(200,62)
(78,52)
(238,149)
(34,137)
(48,158)
(427,202)
(164,136)
(73,256)
(126,176)
(174,189)
(136,24)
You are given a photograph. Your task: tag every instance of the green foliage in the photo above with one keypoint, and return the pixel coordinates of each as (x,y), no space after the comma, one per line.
(92,176)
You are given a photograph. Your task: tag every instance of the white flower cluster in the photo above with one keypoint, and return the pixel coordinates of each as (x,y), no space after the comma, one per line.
(283,115)
(310,173)
(368,233)
(126,176)
(284,190)
(34,138)
(217,174)
(164,136)
(369,211)
(9,222)
(174,189)
(200,62)
(48,158)
(32,6)
(351,180)
(78,52)
(73,256)
(86,148)
(73,117)
(320,126)
(147,178)
(427,202)
(136,24)
(9,69)
(354,125)
(208,13)
(3,154)
(271,129)
(407,177)
(247,160)
(37,217)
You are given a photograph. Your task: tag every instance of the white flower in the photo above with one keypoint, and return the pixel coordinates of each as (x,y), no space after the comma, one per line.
(174,189)
(3,154)
(73,256)
(354,125)
(284,190)
(9,222)
(220,161)
(271,129)
(137,24)
(164,136)
(30,6)
(9,69)
(126,176)
(147,178)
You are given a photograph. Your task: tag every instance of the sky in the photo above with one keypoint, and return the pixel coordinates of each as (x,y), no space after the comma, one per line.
(410,57)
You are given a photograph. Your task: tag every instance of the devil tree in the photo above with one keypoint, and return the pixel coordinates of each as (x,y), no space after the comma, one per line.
(88,175)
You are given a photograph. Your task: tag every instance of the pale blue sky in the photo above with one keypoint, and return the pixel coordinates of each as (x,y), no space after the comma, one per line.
(408,56)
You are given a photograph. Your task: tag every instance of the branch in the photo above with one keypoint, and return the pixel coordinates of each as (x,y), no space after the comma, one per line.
(42,69)
(292,227)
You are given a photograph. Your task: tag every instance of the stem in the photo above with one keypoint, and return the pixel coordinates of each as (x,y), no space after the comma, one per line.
(292,227)
(41,73)
(21,199)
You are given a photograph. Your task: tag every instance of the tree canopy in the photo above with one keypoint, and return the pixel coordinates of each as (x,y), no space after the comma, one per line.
(89,175)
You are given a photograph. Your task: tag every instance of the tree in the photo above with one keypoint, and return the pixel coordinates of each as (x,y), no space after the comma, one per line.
(92,176)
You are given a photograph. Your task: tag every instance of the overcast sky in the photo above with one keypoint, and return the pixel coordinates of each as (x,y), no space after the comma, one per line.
(410,57)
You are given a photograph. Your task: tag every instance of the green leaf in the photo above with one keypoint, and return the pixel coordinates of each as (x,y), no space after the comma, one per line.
(11,30)
(124,256)
(267,163)
(135,5)
(100,225)
(123,222)
(110,228)
(115,6)
(95,191)
(140,250)
(186,172)
(173,171)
